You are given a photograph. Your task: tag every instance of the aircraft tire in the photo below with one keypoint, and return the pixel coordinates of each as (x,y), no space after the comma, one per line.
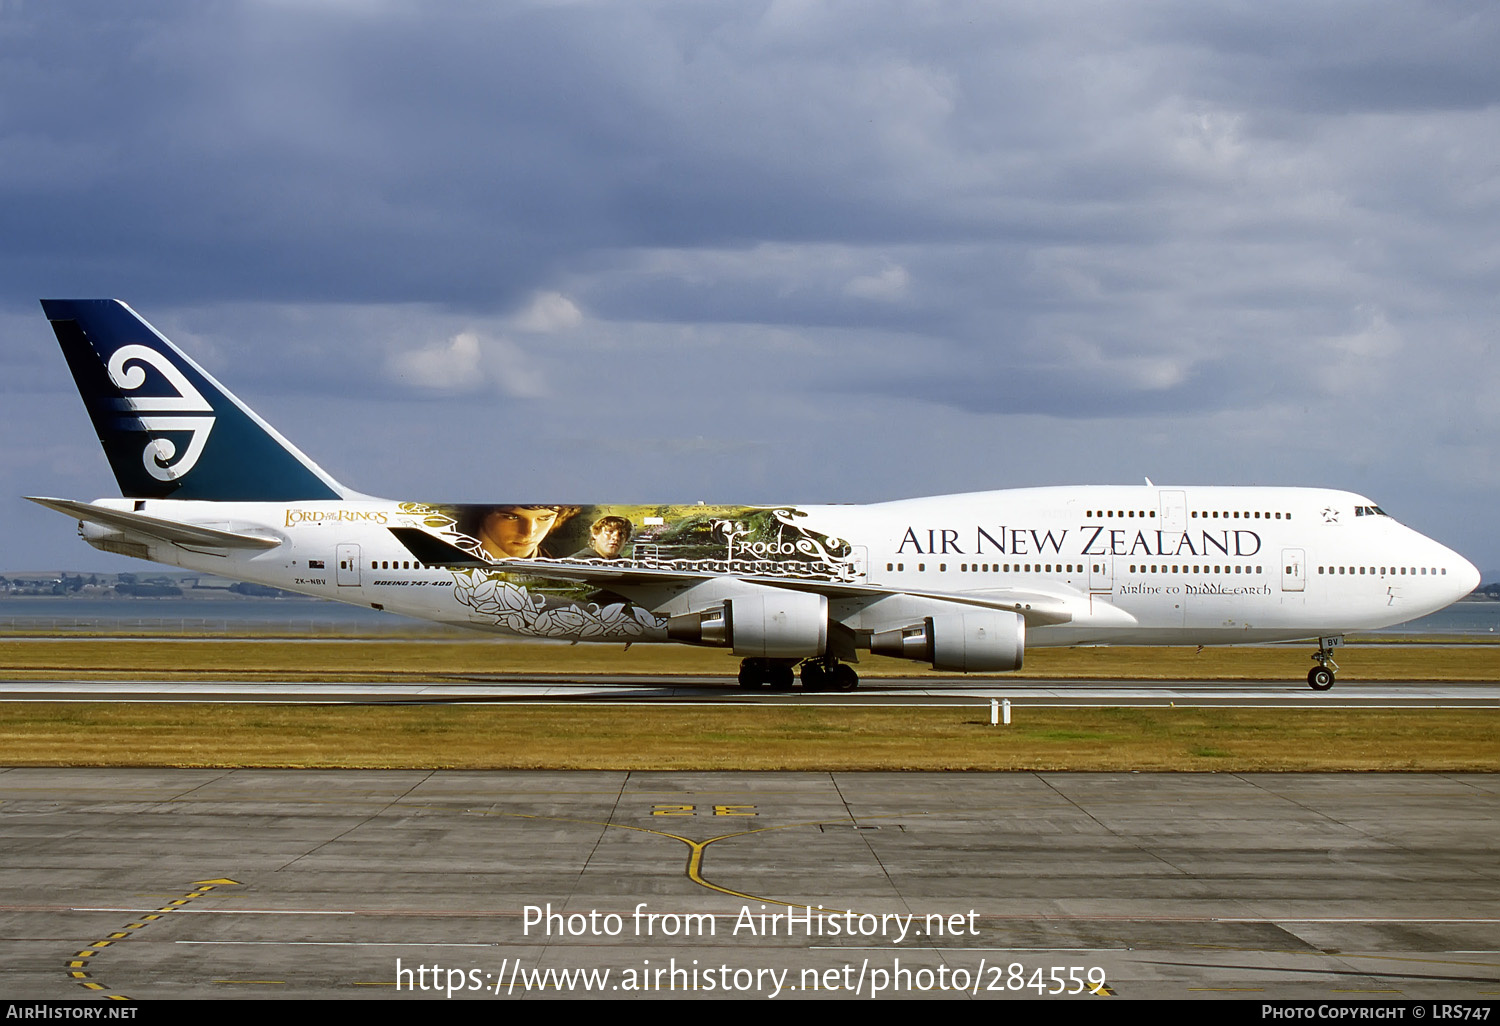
(779,678)
(1320,678)
(814,677)
(753,674)
(843,678)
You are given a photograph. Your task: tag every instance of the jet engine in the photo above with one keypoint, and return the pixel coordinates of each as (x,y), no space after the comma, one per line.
(968,642)
(775,624)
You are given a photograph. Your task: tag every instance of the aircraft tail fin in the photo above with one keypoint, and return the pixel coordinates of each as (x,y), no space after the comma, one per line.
(169,429)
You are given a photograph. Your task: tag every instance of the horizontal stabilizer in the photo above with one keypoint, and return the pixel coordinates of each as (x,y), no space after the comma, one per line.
(156,528)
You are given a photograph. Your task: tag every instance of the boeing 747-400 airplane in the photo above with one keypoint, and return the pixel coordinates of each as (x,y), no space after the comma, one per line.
(961,582)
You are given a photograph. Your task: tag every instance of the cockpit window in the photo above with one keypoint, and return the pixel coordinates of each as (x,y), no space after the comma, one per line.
(1370,511)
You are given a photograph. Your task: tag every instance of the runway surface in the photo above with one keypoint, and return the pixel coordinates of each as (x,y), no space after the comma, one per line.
(254,883)
(924,691)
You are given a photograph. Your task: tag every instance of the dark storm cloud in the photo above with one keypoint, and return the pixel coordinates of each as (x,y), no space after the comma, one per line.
(457,154)
(1149,234)
(1342,57)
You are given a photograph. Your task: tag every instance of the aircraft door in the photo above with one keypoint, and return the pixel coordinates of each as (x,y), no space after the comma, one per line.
(1292,570)
(859,561)
(1101,573)
(1173,511)
(348,572)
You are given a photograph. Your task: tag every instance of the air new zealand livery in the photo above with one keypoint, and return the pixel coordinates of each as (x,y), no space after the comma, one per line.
(962,582)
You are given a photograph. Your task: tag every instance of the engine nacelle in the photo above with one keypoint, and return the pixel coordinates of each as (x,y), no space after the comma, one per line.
(969,642)
(775,624)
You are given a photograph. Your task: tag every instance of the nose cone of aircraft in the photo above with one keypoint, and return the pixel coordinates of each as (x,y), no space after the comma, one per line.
(1467,577)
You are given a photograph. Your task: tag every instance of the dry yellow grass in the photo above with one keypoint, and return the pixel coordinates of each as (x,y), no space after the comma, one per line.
(745,738)
(781,737)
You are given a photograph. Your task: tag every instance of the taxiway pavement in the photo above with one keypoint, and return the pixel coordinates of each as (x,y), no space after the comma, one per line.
(259,883)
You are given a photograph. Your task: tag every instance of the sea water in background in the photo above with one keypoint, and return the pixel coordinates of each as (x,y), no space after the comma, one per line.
(1460,619)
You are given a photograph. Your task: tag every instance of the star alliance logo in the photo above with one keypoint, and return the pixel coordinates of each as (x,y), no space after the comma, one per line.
(1330,515)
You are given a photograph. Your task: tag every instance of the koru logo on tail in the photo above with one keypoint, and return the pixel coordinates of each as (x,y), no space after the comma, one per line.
(146,412)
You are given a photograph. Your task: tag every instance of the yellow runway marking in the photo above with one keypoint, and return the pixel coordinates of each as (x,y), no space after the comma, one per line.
(201,887)
(694,867)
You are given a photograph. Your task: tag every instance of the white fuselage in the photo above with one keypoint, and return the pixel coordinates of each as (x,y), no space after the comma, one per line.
(1116,565)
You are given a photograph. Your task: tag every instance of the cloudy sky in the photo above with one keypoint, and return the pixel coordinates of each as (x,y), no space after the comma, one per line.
(766,251)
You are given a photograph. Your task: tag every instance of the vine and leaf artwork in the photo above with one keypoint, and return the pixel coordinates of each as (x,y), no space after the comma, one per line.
(743,541)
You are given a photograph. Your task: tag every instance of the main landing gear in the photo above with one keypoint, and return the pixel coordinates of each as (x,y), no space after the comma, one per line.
(820,673)
(1320,677)
(775,674)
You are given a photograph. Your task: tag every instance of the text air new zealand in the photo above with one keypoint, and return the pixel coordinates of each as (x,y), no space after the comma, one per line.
(961,582)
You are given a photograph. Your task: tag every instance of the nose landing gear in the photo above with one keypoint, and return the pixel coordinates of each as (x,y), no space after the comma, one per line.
(1320,677)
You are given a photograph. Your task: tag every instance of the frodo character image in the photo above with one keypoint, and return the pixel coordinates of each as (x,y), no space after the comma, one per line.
(517,532)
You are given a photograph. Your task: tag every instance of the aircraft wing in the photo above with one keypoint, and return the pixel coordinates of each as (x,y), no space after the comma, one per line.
(1035,606)
(155,527)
